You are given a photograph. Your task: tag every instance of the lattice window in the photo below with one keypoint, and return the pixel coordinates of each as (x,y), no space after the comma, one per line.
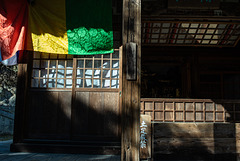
(191,110)
(56,71)
(100,71)
(184,33)
(52,71)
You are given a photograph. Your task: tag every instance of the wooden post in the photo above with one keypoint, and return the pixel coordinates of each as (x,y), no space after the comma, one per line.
(131,32)
(22,86)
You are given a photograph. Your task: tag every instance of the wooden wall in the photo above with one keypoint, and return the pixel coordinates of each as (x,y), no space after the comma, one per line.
(196,141)
(48,115)
(100,121)
(94,116)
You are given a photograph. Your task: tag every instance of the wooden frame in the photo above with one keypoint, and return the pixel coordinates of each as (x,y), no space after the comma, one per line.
(191,110)
(68,103)
(66,69)
(190,32)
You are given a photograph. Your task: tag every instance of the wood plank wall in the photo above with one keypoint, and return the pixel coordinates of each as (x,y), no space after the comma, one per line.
(203,141)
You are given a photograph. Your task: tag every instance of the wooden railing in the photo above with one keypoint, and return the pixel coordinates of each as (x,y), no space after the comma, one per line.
(191,110)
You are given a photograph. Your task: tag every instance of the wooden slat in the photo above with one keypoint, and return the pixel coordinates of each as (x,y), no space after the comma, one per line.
(80,113)
(196,138)
(112,114)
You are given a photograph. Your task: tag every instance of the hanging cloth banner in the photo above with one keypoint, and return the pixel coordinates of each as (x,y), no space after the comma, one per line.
(13,28)
(56,26)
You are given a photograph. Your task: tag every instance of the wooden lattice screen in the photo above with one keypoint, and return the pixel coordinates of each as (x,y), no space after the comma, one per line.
(191,110)
(190,33)
(59,71)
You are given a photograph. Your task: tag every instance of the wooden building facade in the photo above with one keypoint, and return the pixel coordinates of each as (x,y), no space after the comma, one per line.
(175,61)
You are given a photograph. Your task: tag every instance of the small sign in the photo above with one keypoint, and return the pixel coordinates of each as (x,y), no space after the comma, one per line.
(131,51)
(145,137)
(194,4)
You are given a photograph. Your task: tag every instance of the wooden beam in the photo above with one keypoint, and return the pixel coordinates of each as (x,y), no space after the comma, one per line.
(131,32)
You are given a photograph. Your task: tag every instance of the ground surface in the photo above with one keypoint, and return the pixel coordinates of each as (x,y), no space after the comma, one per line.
(6,155)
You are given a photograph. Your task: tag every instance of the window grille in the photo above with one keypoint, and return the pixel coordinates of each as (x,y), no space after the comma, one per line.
(56,71)
(52,71)
(100,71)
(188,33)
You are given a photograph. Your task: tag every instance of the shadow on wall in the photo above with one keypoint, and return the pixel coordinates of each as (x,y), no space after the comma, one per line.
(92,122)
(206,141)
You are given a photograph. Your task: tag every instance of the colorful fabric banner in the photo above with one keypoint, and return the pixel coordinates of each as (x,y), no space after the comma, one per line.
(56,26)
(13,27)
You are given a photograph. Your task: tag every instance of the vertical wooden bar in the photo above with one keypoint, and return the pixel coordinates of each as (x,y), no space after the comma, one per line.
(184,113)
(93,59)
(131,89)
(102,70)
(56,72)
(204,111)
(153,110)
(164,111)
(194,111)
(84,66)
(174,111)
(214,112)
(74,83)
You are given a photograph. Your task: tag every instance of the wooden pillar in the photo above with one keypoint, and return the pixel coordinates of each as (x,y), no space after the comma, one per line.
(131,32)
(23,83)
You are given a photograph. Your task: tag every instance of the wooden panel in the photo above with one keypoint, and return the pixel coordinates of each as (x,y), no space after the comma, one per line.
(191,110)
(49,115)
(183,130)
(112,114)
(80,114)
(195,139)
(96,116)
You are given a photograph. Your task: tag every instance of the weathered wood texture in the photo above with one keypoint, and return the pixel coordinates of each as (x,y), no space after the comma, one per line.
(48,115)
(80,119)
(96,116)
(198,140)
(23,83)
(131,49)
(191,110)
(131,32)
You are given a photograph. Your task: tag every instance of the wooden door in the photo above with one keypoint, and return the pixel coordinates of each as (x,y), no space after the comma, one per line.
(75,99)
(96,109)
